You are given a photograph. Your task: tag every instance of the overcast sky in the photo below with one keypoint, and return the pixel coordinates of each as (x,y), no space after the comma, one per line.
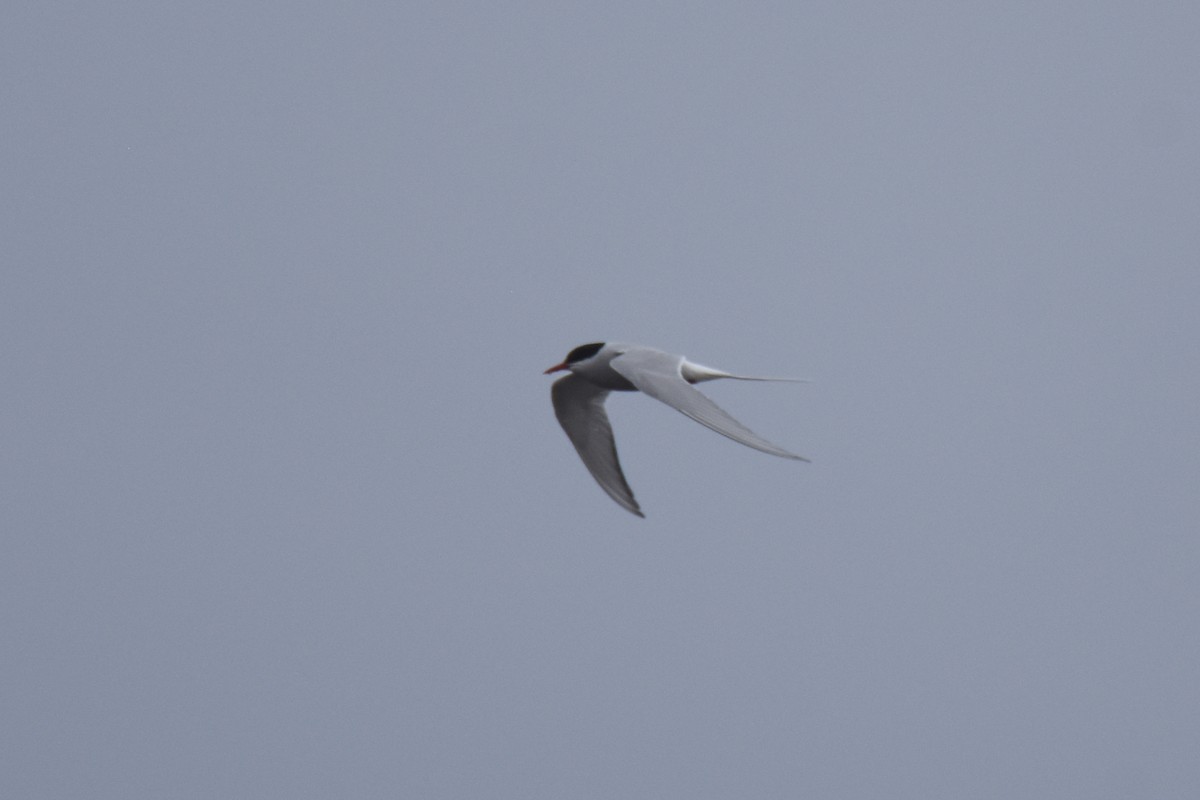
(286,512)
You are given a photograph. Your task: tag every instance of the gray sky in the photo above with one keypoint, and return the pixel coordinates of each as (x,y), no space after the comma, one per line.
(286,510)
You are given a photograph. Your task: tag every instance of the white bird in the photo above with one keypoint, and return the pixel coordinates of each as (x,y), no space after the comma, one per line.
(599,368)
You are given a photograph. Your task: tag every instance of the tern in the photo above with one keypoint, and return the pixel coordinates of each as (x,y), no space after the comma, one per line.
(602,367)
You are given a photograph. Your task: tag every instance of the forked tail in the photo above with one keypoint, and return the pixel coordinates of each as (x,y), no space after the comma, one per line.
(698,373)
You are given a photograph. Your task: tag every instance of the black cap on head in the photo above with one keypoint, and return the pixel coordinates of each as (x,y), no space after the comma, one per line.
(584,352)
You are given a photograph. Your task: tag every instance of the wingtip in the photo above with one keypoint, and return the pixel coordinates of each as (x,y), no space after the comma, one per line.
(634,509)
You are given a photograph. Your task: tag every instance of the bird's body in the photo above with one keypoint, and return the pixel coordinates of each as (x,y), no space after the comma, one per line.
(603,367)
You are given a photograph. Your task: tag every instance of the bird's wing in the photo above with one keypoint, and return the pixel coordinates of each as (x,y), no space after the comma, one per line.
(579,406)
(658,374)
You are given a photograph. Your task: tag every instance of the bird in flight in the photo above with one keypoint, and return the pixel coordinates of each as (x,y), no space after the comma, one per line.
(602,367)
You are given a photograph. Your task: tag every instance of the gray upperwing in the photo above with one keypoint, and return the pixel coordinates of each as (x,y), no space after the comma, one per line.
(579,406)
(658,374)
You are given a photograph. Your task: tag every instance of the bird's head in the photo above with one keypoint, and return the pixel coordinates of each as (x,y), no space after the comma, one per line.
(580,355)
